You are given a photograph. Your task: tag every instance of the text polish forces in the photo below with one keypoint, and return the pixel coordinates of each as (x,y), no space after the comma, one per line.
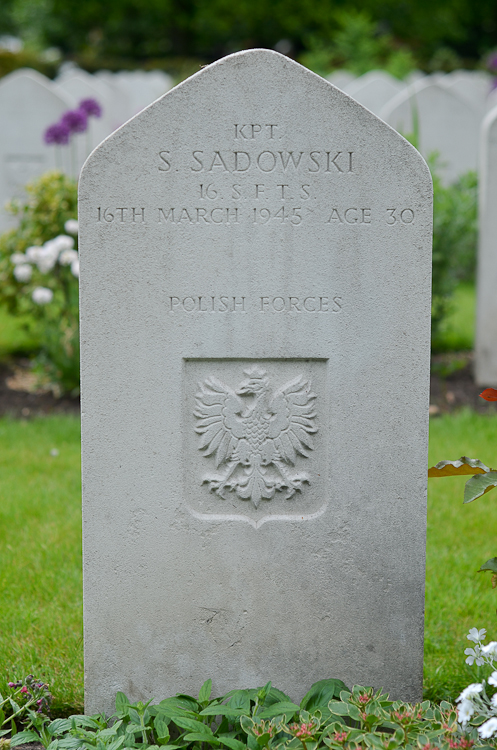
(269,304)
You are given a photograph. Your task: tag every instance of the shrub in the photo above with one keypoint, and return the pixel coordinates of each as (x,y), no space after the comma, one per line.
(39,271)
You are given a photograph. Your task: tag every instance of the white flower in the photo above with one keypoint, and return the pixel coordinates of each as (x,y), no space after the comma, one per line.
(67,257)
(33,253)
(47,256)
(490,649)
(18,258)
(63,242)
(476,635)
(488,729)
(23,272)
(492,680)
(470,692)
(41,295)
(493,700)
(71,226)
(474,655)
(75,268)
(465,711)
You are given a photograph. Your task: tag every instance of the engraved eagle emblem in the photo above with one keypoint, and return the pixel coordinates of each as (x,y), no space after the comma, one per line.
(254,434)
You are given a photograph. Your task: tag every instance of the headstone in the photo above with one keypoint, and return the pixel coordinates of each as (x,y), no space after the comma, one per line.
(486,297)
(341,78)
(445,124)
(28,105)
(141,88)
(473,86)
(374,89)
(255,322)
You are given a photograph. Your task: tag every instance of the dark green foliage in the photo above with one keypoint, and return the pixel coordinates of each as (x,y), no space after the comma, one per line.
(454,243)
(454,31)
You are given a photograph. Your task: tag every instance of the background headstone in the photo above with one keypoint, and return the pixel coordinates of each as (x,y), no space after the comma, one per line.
(255,321)
(374,89)
(341,78)
(446,124)
(486,297)
(28,105)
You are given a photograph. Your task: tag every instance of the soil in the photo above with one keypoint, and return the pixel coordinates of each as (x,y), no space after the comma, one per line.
(21,398)
(452,387)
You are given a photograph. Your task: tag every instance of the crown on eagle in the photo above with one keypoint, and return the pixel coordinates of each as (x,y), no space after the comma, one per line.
(255,372)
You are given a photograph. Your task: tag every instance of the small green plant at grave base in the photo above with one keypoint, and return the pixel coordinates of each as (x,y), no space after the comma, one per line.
(27,698)
(483,479)
(329,716)
(39,270)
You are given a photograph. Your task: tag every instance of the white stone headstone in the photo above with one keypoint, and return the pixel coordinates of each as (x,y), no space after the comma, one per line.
(446,124)
(255,321)
(141,88)
(341,78)
(473,86)
(28,105)
(374,89)
(486,297)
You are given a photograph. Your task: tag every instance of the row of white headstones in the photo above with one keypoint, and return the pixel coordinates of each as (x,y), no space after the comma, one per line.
(454,115)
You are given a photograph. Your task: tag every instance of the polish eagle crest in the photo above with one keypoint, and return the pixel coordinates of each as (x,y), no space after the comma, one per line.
(254,435)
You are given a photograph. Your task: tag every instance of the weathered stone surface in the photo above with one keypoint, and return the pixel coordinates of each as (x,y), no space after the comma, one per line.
(28,105)
(486,307)
(255,317)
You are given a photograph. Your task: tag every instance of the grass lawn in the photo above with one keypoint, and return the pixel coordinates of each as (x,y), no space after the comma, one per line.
(40,554)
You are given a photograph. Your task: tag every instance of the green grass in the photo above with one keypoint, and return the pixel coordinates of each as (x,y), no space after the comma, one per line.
(459,327)
(460,538)
(40,555)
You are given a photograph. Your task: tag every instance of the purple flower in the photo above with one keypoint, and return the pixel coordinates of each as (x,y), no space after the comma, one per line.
(11,684)
(76,120)
(91,107)
(58,133)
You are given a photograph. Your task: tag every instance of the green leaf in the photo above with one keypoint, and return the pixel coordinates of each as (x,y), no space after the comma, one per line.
(161,728)
(21,738)
(232,743)
(192,725)
(321,693)
(205,691)
(489,565)
(221,710)
(240,699)
(479,485)
(277,709)
(59,726)
(201,737)
(463,466)
(122,703)
(338,707)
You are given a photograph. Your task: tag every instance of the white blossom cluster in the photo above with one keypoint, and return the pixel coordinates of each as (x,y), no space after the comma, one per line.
(59,250)
(474,701)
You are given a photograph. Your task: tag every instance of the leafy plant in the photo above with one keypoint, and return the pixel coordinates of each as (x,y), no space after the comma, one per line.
(39,271)
(28,698)
(483,479)
(454,242)
(329,716)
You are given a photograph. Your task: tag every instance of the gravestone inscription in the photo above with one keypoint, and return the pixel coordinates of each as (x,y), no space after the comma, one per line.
(255,317)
